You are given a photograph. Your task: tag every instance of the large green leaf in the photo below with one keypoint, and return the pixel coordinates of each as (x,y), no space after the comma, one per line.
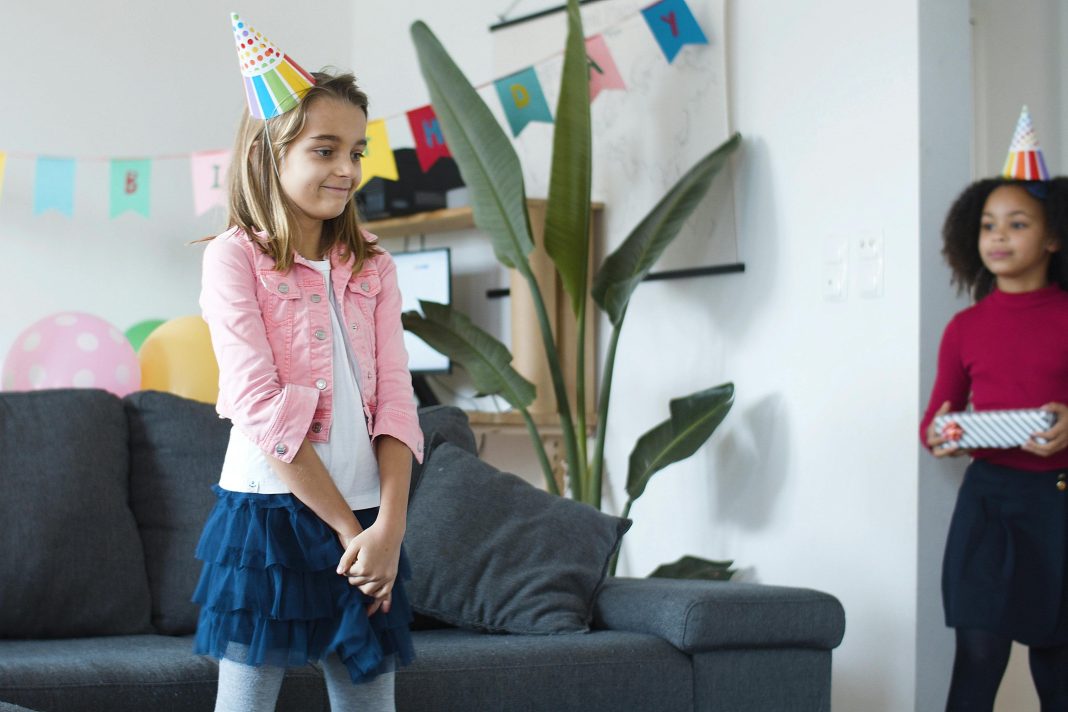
(485,358)
(628,265)
(693,420)
(692,567)
(484,154)
(567,218)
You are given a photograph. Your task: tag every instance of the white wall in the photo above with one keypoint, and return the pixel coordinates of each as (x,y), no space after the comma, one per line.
(812,481)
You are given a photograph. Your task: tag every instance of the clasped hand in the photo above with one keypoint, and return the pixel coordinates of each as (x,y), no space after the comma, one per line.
(1056,437)
(370,562)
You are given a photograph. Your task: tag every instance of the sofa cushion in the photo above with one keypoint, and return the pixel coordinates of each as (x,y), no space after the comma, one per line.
(442,423)
(177,448)
(603,671)
(130,672)
(73,563)
(491,552)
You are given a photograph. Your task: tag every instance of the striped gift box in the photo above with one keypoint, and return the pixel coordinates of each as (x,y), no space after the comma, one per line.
(993,428)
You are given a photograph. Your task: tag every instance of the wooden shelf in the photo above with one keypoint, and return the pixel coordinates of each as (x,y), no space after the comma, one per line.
(549,423)
(433,221)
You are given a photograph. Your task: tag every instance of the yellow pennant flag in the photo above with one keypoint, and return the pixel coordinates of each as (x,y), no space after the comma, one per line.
(3,160)
(378,158)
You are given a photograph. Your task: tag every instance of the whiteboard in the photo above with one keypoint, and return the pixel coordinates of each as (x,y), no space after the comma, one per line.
(644,138)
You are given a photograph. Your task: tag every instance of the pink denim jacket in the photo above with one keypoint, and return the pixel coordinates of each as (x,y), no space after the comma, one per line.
(272,338)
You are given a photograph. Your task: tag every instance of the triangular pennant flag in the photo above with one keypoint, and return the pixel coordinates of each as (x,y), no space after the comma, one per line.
(53,185)
(378,160)
(131,183)
(209,169)
(1025,161)
(3,163)
(603,71)
(429,139)
(274,83)
(523,100)
(673,25)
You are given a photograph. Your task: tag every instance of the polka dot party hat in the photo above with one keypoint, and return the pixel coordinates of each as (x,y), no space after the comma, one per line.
(1025,161)
(274,83)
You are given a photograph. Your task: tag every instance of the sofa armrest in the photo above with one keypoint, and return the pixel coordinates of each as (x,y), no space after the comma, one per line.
(700,616)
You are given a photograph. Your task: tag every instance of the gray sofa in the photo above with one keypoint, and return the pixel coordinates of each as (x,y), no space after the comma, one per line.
(103,504)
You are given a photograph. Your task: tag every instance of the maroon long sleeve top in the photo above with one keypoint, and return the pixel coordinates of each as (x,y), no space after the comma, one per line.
(1007,351)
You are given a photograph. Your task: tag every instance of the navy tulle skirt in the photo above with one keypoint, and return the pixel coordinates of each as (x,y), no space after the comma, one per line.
(270,585)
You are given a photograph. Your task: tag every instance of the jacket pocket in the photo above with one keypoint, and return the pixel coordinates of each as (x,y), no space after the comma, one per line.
(277,293)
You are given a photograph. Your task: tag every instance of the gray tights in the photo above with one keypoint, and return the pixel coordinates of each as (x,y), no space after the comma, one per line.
(254,688)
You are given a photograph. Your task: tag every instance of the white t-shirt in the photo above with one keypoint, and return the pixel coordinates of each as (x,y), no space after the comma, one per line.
(347,456)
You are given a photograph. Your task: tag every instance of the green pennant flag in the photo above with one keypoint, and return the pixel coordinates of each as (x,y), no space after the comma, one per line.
(131,183)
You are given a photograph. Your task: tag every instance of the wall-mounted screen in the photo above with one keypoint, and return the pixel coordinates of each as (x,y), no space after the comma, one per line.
(424,275)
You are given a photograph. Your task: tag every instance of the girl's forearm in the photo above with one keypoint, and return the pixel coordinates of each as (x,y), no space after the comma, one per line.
(395,473)
(308,480)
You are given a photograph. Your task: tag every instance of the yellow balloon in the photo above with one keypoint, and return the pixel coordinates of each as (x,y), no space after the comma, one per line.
(177,358)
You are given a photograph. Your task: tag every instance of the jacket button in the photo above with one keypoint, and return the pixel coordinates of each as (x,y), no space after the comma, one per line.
(283,288)
(316,298)
(281,449)
(365,286)
(320,383)
(317,427)
(320,334)
(1061,483)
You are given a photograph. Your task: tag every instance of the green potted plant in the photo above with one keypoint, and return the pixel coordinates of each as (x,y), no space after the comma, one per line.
(491,169)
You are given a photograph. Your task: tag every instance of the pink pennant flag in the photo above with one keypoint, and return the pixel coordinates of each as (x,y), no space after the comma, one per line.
(429,139)
(603,71)
(209,170)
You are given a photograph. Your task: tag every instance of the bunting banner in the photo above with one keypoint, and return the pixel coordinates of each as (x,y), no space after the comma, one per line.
(523,100)
(521,95)
(131,183)
(603,71)
(429,140)
(209,170)
(53,186)
(673,25)
(378,160)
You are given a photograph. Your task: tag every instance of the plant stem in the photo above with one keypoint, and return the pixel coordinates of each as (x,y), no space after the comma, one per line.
(539,449)
(563,406)
(590,495)
(615,557)
(597,464)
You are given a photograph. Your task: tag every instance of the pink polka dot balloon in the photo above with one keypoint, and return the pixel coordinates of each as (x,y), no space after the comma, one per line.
(72,350)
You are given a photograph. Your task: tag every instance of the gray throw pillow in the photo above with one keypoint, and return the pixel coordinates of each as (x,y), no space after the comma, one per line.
(492,553)
(73,563)
(177,448)
(442,423)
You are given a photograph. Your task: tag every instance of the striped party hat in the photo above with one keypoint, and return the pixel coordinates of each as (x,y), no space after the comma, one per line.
(274,83)
(1025,161)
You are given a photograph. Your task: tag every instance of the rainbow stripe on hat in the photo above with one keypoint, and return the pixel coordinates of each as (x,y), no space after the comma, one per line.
(274,83)
(1025,161)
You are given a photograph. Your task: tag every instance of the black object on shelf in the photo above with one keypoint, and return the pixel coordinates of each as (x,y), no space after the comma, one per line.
(413,192)
(423,392)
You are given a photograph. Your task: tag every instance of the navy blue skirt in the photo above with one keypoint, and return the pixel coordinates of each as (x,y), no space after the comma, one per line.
(269,583)
(1006,563)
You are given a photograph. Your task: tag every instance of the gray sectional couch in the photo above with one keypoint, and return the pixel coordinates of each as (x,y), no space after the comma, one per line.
(104,498)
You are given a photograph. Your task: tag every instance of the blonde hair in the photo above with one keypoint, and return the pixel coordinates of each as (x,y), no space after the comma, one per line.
(257,202)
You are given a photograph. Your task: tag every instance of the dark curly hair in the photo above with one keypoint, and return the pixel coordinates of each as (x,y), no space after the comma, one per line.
(960,233)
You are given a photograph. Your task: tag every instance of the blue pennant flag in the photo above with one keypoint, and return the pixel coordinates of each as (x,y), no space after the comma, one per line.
(53,187)
(673,25)
(523,100)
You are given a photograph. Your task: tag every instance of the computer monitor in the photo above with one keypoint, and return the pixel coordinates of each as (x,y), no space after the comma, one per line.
(424,275)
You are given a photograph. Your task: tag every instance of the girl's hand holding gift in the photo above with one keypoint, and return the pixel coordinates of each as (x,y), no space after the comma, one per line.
(936,440)
(1056,437)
